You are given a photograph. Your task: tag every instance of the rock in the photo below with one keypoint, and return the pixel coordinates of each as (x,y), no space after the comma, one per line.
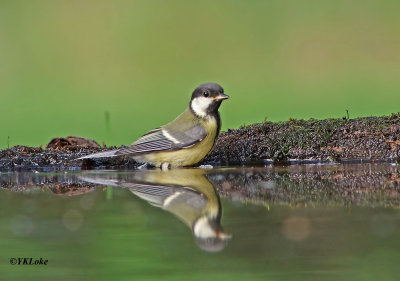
(63,143)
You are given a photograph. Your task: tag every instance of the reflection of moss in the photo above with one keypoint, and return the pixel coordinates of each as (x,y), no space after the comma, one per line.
(299,185)
(320,140)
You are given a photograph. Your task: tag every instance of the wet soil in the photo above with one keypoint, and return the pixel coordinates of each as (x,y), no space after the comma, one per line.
(50,159)
(367,139)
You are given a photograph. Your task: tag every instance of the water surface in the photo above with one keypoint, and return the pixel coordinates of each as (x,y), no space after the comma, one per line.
(305,222)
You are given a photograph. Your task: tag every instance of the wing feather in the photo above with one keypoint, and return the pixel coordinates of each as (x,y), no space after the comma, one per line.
(165,139)
(158,194)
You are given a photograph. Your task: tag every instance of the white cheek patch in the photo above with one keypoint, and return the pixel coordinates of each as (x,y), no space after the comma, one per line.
(200,105)
(202,229)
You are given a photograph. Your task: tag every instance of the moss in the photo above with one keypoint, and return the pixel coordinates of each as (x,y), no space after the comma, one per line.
(314,140)
(360,139)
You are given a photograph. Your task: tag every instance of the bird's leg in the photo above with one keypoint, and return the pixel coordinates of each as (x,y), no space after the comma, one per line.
(145,166)
(165,166)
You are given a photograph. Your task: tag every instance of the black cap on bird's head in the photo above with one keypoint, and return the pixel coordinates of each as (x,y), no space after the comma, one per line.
(206,99)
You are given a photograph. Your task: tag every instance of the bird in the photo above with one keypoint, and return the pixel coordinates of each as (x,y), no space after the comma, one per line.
(185,193)
(186,140)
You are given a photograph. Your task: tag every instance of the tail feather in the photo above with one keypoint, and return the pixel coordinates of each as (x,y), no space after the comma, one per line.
(104,154)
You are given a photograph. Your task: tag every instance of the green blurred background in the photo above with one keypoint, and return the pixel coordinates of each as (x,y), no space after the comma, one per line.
(63,64)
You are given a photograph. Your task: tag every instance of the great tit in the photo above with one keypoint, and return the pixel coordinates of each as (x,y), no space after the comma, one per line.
(186,193)
(184,141)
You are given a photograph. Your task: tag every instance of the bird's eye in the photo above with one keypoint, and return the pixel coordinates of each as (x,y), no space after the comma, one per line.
(206,94)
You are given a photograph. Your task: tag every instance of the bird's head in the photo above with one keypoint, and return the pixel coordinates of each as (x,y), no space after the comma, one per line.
(209,234)
(206,99)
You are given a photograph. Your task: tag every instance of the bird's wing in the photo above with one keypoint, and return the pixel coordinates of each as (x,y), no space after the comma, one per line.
(153,194)
(163,195)
(165,139)
(158,195)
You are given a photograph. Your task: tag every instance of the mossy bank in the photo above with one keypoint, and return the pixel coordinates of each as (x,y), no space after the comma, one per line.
(329,140)
(294,141)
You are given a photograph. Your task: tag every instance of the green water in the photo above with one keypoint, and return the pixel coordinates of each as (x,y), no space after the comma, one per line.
(286,223)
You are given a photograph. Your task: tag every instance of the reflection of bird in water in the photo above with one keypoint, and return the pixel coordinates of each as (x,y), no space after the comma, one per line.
(186,193)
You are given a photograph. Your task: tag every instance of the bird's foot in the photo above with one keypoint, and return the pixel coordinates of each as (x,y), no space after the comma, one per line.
(206,167)
(145,166)
(165,166)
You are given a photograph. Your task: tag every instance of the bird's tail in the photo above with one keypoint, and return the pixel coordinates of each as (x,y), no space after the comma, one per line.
(111,153)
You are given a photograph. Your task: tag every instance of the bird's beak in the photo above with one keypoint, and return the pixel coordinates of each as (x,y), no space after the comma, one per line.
(224,236)
(221,96)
